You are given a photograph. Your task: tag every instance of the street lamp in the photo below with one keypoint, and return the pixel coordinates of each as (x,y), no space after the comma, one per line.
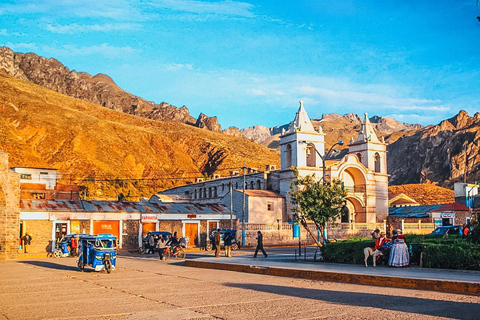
(324,158)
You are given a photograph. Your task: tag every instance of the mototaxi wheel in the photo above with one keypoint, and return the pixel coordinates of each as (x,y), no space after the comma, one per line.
(235,246)
(180,254)
(57,253)
(209,247)
(141,250)
(108,265)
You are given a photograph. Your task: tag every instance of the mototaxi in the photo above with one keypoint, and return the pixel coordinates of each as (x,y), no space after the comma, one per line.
(99,252)
(64,246)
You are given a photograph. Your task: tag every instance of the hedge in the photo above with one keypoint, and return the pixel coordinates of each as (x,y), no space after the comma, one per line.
(443,253)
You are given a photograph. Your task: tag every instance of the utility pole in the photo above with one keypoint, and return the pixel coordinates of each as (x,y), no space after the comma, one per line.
(243,209)
(231,202)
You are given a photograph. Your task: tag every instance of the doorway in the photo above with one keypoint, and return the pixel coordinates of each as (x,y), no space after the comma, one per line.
(61,230)
(191,231)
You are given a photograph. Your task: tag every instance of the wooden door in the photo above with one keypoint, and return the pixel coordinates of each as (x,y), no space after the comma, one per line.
(191,231)
(147,227)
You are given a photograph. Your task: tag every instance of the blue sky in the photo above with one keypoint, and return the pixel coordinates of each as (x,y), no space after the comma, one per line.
(250,62)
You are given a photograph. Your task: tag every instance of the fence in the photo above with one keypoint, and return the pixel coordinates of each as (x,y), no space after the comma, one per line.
(417,227)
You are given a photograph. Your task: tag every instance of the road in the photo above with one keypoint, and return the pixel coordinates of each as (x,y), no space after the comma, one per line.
(142,287)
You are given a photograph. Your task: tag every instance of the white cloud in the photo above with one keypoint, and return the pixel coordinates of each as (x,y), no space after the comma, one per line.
(22,46)
(104,49)
(227,8)
(113,9)
(80,28)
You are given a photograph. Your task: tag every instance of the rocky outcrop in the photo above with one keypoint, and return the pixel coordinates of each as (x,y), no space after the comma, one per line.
(441,154)
(234,131)
(210,123)
(99,89)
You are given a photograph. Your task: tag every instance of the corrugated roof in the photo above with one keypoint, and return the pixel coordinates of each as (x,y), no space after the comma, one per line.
(453,207)
(413,211)
(124,206)
(261,193)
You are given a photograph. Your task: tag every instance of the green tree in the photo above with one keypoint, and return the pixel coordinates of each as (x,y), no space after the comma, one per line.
(316,201)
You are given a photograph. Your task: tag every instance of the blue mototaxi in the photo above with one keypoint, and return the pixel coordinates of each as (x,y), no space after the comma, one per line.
(100,252)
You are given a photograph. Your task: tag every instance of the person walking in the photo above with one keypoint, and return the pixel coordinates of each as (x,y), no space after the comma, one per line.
(217,243)
(162,244)
(228,245)
(151,243)
(260,244)
(26,241)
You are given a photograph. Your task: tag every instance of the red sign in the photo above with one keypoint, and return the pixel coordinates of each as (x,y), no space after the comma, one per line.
(191,216)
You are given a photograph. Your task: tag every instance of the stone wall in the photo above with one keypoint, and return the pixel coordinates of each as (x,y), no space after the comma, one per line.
(41,233)
(9,210)
(130,236)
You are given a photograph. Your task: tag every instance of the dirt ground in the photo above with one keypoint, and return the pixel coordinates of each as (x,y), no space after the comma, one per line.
(142,287)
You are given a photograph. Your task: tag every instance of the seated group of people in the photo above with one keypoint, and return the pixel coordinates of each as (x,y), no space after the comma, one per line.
(396,250)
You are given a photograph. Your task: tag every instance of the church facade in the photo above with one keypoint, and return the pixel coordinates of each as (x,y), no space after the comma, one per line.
(363,171)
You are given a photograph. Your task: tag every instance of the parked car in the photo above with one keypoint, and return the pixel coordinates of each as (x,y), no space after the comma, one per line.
(450,230)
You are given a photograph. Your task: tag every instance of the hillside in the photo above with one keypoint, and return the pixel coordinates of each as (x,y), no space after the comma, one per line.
(425,193)
(99,89)
(440,154)
(42,128)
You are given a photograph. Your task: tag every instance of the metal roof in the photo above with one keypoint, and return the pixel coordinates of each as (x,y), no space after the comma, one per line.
(124,206)
(413,211)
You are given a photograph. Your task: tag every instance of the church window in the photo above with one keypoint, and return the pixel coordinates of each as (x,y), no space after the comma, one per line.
(269,206)
(311,156)
(209,192)
(359,156)
(252,185)
(288,156)
(215,192)
(236,185)
(259,185)
(377,162)
(195,194)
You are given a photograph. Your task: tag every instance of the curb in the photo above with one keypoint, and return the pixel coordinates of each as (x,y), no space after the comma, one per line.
(380,281)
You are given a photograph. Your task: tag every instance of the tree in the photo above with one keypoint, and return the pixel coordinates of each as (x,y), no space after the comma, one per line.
(317,201)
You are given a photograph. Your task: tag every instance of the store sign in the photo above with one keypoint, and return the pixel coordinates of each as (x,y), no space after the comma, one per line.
(191,216)
(146,218)
(450,215)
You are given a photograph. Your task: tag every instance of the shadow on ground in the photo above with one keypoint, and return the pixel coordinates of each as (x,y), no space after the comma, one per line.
(53,265)
(431,307)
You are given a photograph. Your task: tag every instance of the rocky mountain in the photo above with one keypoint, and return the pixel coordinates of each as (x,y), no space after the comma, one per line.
(337,127)
(107,150)
(99,89)
(440,154)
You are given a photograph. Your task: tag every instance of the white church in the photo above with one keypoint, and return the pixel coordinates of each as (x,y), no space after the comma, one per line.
(265,199)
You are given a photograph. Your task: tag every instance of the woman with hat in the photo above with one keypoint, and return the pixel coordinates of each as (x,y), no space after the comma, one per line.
(399,255)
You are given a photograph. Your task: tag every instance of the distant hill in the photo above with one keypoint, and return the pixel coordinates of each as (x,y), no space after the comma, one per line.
(99,89)
(442,154)
(425,193)
(93,145)
(335,126)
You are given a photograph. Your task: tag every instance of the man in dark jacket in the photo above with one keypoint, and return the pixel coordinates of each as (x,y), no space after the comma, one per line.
(260,245)
(217,243)
(26,241)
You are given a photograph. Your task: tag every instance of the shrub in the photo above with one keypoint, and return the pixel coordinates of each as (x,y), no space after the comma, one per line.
(445,253)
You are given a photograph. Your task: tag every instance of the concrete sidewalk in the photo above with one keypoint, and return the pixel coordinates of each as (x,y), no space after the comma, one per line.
(455,281)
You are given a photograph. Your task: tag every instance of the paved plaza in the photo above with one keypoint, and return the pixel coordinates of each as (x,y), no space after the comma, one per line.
(142,287)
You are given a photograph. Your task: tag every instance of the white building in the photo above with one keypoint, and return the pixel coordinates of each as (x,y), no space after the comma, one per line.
(48,177)
(363,171)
